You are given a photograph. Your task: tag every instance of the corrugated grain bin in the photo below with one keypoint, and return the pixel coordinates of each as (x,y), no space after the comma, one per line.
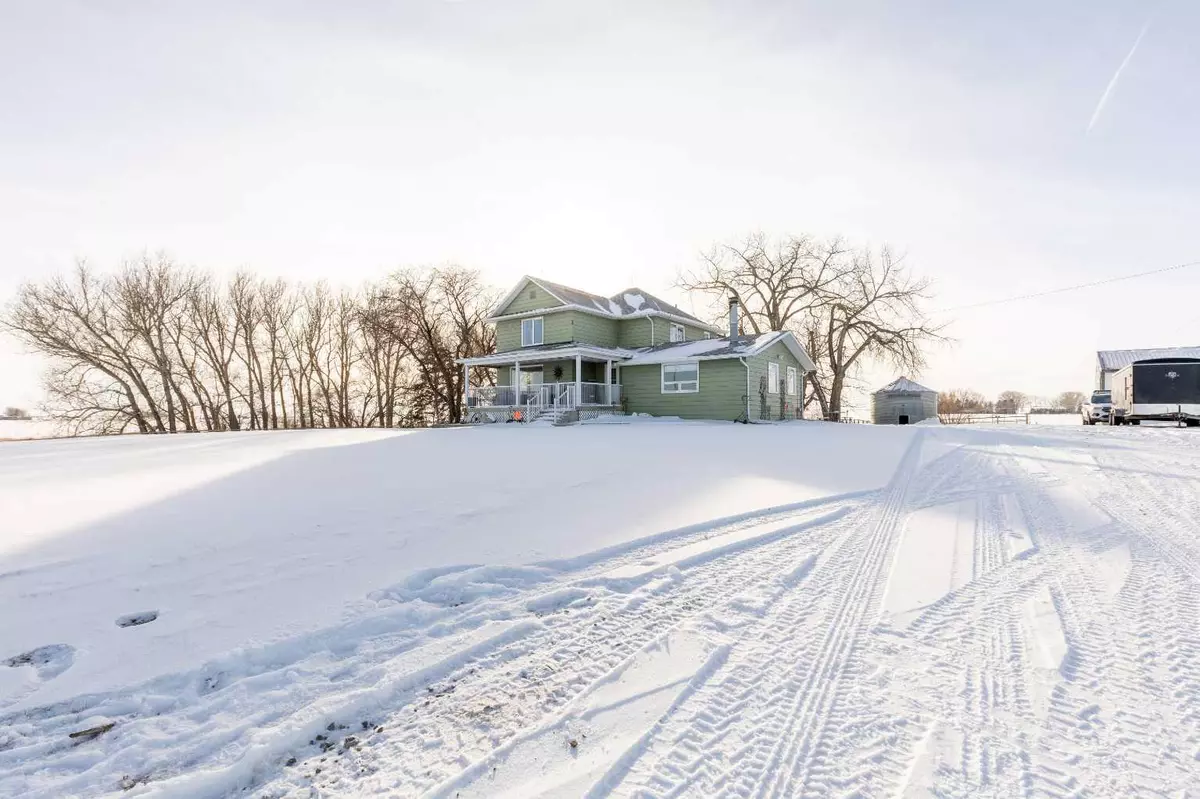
(903,402)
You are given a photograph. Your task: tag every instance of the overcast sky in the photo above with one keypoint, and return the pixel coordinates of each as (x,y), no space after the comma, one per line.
(604,144)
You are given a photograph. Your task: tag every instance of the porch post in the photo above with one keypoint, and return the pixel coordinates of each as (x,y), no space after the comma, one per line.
(578,379)
(608,382)
(516,379)
(466,387)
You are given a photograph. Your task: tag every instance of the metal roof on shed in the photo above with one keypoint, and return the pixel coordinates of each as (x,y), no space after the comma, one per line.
(1111,360)
(904,385)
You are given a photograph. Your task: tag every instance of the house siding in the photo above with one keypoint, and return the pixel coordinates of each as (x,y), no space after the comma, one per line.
(637,332)
(504,373)
(559,327)
(589,329)
(530,298)
(722,387)
(593,372)
(767,406)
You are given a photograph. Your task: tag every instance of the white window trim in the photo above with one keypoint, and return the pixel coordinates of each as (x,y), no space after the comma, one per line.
(707,334)
(790,385)
(772,377)
(531,320)
(662,375)
(682,332)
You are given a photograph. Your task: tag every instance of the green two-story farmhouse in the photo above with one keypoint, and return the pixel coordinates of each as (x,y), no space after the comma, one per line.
(566,354)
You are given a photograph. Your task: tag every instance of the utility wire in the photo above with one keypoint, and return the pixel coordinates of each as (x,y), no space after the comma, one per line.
(1065,289)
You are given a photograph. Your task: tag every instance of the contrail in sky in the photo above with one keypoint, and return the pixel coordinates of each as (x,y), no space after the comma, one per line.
(1112,84)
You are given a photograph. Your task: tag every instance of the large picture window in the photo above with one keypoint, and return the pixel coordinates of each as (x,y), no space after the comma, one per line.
(531,332)
(772,378)
(680,378)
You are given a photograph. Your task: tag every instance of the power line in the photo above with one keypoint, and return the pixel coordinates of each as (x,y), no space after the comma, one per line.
(1065,289)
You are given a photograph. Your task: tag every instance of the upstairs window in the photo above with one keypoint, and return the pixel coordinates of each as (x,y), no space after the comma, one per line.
(680,378)
(772,378)
(531,332)
(677,333)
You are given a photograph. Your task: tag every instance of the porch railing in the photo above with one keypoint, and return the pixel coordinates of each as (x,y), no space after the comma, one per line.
(546,395)
(596,394)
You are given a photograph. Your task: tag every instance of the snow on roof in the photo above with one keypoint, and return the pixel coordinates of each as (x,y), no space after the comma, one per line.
(724,347)
(684,350)
(630,302)
(635,300)
(1111,360)
(906,386)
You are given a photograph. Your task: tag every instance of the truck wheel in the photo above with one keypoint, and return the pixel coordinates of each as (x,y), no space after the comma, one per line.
(1193,422)
(1135,421)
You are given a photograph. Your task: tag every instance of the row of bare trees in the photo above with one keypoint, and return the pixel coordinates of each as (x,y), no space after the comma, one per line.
(160,347)
(848,306)
(961,400)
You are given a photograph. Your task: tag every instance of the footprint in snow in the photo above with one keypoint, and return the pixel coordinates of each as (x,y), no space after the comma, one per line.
(48,661)
(136,619)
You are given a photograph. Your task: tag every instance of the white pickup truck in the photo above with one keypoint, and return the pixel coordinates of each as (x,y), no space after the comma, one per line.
(1097,408)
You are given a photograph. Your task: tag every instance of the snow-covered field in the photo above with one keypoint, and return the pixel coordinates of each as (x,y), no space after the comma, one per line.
(624,610)
(18,430)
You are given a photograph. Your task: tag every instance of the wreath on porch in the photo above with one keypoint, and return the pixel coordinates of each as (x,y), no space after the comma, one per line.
(558,373)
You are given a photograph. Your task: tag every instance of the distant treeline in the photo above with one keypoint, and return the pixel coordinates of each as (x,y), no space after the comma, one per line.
(968,401)
(160,347)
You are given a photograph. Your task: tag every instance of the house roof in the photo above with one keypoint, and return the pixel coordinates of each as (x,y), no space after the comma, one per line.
(630,303)
(902,385)
(723,347)
(1112,360)
(540,352)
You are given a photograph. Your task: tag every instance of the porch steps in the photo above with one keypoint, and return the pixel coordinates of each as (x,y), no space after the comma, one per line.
(555,417)
(565,417)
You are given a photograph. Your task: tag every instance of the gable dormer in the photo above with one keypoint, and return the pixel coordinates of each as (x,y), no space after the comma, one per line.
(529,295)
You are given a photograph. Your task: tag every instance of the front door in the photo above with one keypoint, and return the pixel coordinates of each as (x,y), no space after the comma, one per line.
(531,383)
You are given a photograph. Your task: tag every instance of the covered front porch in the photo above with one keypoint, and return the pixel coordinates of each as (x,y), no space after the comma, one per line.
(537,380)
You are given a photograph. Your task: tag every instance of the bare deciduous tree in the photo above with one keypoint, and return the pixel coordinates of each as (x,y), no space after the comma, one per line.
(1070,400)
(776,283)
(436,316)
(871,312)
(1011,401)
(161,348)
(961,400)
(846,306)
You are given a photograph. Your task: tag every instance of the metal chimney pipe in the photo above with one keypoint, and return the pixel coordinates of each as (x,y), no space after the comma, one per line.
(734,330)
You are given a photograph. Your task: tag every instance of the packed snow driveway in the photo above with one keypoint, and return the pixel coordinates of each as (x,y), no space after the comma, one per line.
(691,610)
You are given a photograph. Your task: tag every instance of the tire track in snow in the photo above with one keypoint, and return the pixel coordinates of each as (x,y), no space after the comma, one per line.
(594,634)
(1158,614)
(958,670)
(758,727)
(523,687)
(1110,731)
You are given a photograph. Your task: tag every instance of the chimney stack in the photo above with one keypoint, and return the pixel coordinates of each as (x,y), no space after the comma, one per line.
(734,330)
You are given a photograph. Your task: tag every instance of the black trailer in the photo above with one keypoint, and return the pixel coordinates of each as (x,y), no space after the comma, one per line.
(1161,389)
